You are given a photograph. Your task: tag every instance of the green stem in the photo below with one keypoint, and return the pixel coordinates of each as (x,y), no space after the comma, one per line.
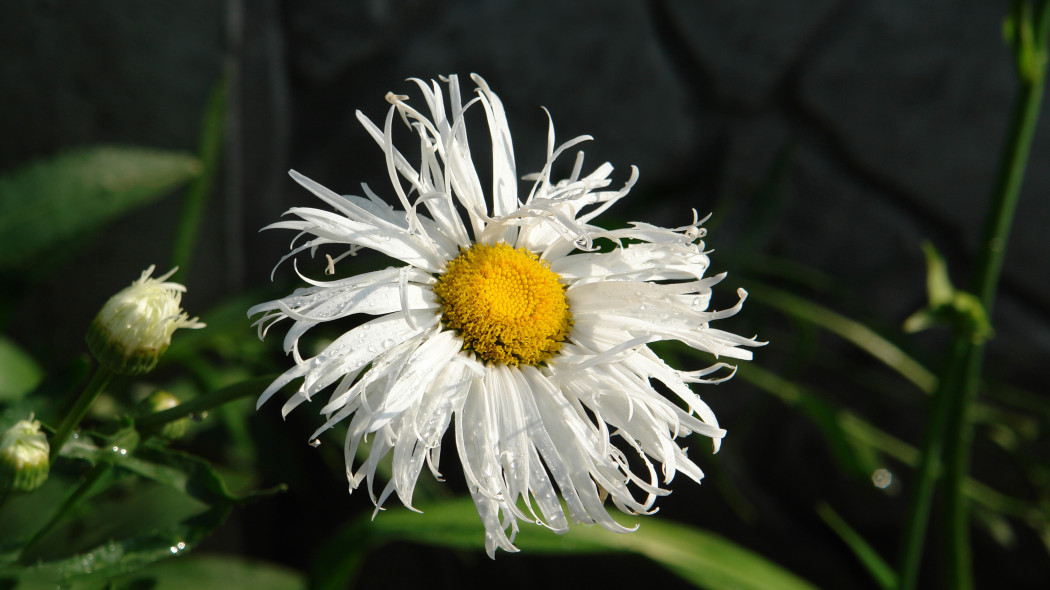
(93,477)
(72,419)
(959,436)
(204,402)
(929,468)
(949,423)
(209,152)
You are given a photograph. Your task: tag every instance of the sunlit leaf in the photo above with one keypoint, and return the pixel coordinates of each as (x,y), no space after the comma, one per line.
(702,558)
(50,201)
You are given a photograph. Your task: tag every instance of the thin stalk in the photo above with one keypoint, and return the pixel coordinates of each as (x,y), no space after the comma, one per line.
(209,152)
(929,468)
(97,472)
(205,402)
(72,419)
(959,436)
(949,423)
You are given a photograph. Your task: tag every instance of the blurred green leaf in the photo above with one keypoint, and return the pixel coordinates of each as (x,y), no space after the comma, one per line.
(186,473)
(94,567)
(851,330)
(702,558)
(19,373)
(853,456)
(884,575)
(862,435)
(209,151)
(213,572)
(48,202)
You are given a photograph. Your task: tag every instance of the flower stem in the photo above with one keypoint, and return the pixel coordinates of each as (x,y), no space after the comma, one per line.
(209,151)
(929,468)
(204,402)
(959,435)
(97,472)
(87,397)
(949,423)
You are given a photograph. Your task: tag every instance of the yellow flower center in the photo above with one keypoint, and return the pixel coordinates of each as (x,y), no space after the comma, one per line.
(506,304)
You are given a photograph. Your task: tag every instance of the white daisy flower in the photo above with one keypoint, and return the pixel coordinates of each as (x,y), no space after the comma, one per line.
(507,319)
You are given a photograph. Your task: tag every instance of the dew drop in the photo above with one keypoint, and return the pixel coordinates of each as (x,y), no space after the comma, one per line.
(372,348)
(882,478)
(388,343)
(315,443)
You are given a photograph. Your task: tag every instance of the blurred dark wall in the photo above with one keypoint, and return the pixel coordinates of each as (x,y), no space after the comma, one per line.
(893,113)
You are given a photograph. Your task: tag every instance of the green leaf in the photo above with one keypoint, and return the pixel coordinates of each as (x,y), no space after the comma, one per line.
(884,575)
(855,332)
(209,152)
(853,456)
(702,558)
(186,473)
(94,567)
(51,201)
(19,373)
(211,572)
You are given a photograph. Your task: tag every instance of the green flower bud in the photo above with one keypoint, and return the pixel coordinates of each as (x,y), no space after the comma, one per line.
(135,326)
(161,400)
(24,459)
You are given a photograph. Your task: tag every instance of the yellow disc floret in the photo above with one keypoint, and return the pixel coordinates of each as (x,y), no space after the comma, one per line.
(505,303)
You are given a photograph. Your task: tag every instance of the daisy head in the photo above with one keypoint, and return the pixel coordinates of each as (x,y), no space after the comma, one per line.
(510,318)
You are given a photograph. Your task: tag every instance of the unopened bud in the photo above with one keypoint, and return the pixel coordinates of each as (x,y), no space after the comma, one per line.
(24,459)
(161,400)
(135,326)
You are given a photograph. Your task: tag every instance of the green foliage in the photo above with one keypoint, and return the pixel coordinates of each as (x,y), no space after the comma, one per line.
(699,557)
(948,305)
(19,373)
(47,203)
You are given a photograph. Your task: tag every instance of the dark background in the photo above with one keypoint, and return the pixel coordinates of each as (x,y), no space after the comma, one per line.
(835,135)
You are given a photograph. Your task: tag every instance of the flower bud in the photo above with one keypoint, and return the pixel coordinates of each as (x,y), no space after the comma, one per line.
(24,459)
(135,326)
(161,400)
